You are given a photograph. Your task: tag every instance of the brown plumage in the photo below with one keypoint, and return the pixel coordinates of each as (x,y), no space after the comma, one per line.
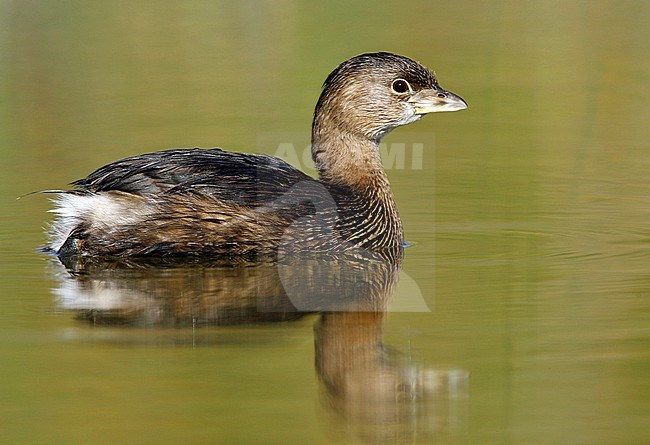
(213,202)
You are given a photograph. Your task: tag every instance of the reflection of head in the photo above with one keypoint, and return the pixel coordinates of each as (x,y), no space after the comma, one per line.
(380,395)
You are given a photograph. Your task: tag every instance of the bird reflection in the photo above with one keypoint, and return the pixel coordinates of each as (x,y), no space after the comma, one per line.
(378,394)
(381,394)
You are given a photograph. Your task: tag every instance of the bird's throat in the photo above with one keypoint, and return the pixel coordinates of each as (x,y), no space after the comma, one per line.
(348,160)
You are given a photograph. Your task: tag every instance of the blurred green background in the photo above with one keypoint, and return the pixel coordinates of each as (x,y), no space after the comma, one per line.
(529,215)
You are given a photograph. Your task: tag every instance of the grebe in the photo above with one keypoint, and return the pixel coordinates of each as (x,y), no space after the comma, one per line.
(218,203)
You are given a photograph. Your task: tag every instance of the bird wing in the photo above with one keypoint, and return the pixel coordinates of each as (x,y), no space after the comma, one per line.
(242,178)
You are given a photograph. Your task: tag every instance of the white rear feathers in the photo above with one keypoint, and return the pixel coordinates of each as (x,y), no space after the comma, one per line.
(103,212)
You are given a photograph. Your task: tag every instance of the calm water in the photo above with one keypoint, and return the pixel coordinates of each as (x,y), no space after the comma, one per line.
(520,315)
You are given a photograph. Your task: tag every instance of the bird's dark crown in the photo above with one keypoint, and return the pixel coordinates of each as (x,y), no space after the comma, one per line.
(382,63)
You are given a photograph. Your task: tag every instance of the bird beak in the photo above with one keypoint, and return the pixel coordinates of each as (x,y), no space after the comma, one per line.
(436,100)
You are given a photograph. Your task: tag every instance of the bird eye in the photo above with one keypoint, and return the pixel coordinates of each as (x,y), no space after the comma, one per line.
(400,86)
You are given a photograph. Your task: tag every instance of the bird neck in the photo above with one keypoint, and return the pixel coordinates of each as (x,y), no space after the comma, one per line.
(350,167)
(347,159)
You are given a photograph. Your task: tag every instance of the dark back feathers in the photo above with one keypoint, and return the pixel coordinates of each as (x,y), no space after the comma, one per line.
(243,178)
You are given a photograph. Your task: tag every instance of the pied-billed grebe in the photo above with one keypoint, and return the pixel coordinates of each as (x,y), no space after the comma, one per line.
(213,202)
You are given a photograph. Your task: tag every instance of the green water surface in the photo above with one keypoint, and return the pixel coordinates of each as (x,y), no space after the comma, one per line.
(529,214)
